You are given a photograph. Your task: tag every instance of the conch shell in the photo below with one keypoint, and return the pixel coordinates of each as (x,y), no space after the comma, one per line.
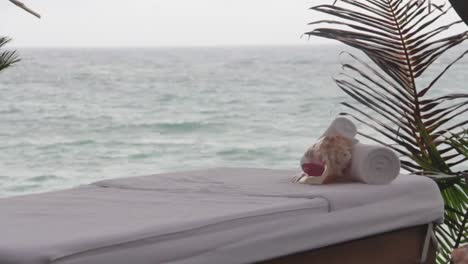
(326,161)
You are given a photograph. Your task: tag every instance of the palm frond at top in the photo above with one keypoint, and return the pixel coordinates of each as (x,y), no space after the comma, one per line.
(7,58)
(402,38)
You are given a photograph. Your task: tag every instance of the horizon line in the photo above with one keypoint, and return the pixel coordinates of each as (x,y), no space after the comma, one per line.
(167,46)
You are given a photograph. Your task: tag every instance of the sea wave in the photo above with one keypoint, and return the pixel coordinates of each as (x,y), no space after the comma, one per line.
(44,178)
(73,143)
(166,127)
(185,127)
(10,110)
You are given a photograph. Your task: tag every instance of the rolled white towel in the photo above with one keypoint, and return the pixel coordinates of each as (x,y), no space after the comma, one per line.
(373,164)
(341,127)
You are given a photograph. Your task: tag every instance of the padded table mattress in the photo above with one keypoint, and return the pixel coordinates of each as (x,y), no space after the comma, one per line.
(221,215)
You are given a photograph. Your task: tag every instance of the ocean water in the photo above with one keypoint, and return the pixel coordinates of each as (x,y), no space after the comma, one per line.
(74,116)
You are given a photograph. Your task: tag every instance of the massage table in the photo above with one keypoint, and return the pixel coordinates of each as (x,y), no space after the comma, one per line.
(222,216)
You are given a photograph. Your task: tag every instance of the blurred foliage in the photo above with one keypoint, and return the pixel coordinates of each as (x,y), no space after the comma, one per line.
(7,58)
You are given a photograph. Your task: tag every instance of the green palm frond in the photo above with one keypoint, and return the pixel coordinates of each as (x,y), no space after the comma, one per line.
(7,58)
(459,142)
(458,216)
(402,39)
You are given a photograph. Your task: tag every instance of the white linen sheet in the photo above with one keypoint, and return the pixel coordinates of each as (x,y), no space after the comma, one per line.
(212,216)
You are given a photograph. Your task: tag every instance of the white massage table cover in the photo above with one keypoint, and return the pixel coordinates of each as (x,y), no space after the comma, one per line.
(213,216)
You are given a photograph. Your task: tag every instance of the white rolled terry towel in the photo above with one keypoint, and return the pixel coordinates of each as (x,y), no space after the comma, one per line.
(373,164)
(341,127)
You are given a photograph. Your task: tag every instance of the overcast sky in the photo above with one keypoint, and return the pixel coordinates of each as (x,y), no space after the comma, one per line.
(158,22)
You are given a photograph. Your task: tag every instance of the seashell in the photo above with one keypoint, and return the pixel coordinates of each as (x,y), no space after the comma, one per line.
(311,164)
(336,152)
(328,159)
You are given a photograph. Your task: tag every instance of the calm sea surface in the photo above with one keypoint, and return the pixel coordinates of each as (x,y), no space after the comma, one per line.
(74,116)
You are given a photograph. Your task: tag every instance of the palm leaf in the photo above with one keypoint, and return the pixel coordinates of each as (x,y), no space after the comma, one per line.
(402,39)
(455,190)
(7,58)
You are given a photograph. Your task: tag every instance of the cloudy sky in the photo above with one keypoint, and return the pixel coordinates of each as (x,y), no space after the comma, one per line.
(158,22)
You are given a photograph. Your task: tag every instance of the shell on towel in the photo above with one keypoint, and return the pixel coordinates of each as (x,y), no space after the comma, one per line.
(336,152)
(327,159)
(311,163)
